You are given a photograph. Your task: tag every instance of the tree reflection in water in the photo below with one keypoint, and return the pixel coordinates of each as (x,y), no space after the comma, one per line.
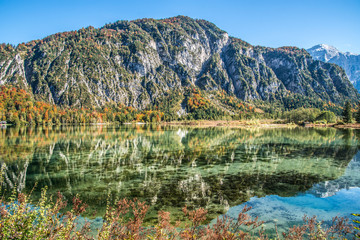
(170,167)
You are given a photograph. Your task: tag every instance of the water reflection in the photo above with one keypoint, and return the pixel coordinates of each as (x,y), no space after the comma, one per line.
(339,197)
(169,167)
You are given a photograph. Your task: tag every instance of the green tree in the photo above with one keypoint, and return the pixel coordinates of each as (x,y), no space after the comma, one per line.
(347,115)
(327,116)
(357,117)
(302,115)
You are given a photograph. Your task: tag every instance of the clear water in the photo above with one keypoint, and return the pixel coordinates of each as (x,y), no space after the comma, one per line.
(282,173)
(326,200)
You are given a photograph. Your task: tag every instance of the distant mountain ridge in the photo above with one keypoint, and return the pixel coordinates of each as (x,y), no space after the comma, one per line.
(136,63)
(349,61)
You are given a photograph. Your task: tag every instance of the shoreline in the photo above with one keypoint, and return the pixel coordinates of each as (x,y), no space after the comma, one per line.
(259,123)
(265,123)
(334,125)
(232,123)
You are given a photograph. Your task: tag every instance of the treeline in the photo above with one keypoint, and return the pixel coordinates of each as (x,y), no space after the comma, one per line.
(18,107)
(315,115)
(194,104)
(199,107)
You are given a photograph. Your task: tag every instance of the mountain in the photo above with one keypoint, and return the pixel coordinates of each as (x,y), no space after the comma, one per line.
(349,61)
(137,63)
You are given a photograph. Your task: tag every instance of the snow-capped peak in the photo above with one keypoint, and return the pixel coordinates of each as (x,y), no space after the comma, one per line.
(328,47)
(349,61)
(323,52)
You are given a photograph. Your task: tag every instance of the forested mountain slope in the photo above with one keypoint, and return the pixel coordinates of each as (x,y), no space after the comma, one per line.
(138,63)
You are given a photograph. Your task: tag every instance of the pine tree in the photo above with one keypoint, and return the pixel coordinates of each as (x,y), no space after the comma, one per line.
(347,115)
(358,114)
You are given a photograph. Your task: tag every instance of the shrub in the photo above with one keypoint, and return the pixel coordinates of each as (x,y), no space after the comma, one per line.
(340,122)
(20,219)
(357,222)
(302,115)
(327,116)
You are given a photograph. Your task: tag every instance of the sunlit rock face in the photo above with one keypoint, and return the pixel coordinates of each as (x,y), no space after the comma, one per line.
(135,63)
(172,167)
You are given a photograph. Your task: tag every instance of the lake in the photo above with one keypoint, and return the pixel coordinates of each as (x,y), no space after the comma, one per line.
(282,173)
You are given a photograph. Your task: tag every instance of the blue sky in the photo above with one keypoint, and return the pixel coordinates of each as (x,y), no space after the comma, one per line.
(301,23)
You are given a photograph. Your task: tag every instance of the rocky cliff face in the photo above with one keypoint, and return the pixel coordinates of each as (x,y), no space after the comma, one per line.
(349,61)
(136,62)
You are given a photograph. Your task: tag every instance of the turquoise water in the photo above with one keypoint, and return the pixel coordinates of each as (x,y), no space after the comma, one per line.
(282,173)
(326,200)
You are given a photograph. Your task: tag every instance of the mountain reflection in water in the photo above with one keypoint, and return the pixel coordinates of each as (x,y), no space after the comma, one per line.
(339,197)
(169,167)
